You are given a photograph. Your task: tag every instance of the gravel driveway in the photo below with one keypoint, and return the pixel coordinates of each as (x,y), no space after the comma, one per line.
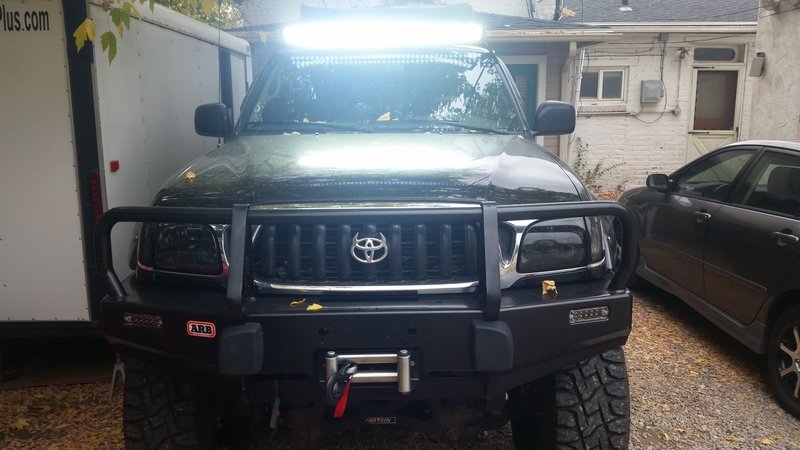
(692,387)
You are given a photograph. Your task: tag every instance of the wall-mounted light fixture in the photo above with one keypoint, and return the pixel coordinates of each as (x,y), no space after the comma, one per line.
(757,65)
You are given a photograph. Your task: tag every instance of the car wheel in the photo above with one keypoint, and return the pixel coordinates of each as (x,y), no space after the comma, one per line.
(586,405)
(783,360)
(162,411)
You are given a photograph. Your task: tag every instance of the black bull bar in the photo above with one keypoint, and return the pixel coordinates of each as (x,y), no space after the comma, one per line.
(242,217)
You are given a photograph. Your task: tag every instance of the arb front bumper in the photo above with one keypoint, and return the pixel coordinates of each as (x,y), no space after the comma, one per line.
(473,345)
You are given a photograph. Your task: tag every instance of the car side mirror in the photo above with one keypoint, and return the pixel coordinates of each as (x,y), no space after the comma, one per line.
(658,181)
(554,117)
(213,119)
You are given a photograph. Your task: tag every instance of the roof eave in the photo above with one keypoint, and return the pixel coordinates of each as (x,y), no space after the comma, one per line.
(681,27)
(551,35)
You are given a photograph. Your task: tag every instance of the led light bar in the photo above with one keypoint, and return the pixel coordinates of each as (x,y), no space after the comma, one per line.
(380,34)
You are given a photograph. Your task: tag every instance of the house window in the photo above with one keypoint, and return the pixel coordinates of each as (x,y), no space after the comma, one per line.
(603,84)
(724,54)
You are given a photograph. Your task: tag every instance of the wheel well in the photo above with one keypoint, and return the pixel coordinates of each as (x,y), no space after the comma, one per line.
(785,301)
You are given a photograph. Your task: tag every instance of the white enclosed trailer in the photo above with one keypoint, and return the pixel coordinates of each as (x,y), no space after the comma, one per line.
(79,135)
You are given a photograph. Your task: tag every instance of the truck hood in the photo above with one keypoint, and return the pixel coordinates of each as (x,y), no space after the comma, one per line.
(266,169)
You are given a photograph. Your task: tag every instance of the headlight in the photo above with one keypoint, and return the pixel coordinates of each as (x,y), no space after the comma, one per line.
(562,244)
(182,248)
(553,245)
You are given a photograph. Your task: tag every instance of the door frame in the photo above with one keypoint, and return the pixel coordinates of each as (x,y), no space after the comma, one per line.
(541,82)
(737,114)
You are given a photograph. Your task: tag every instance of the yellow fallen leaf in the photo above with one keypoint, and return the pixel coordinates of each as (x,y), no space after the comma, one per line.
(666,436)
(20,424)
(693,373)
(680,430)
(766,441)
(314,307)
(548,286)
(776,437)
(703,428)
(190,176)
(732,438)
(297,302)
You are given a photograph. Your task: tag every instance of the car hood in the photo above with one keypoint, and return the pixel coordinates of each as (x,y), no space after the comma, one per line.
(266,169)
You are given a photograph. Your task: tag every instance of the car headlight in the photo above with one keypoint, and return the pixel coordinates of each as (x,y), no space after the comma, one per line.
(561,244)
(180,248)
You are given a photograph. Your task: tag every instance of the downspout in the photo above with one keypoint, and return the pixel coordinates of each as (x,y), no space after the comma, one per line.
(531,8)
(572,71)
(557,13)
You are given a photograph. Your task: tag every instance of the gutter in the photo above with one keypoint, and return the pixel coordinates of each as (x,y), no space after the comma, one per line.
(680,27)
(551,35)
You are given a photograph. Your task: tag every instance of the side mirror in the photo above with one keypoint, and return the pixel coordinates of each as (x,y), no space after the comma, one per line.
(213,119)
(553,117)
(658,181)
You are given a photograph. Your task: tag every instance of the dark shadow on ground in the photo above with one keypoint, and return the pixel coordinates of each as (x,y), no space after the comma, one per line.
(27,362)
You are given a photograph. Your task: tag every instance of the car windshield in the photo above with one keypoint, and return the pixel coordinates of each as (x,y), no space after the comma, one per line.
(444,91)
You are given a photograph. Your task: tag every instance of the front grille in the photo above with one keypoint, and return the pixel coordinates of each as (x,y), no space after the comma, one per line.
(320,254)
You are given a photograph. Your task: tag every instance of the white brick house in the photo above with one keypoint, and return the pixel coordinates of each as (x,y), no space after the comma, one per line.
(697,53)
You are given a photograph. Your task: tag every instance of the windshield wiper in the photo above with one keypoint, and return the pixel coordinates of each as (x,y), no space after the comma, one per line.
(309,127)
(451,123)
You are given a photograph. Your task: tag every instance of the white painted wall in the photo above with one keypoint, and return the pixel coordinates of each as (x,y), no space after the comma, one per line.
(636,134)
(776,94)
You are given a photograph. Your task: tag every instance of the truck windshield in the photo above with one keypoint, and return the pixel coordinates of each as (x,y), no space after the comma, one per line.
(442,91)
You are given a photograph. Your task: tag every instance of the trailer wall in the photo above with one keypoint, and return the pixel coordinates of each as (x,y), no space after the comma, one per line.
(41,253)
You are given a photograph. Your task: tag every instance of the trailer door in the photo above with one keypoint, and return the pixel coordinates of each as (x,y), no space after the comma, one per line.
(42,276)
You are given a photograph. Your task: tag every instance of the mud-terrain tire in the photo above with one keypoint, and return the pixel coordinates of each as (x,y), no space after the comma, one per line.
(585,406)
(783,360)
(161,411)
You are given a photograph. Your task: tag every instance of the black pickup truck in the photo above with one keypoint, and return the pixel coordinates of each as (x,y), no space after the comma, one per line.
(380,241)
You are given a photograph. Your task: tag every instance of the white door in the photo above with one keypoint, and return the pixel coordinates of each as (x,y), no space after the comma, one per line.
(715,109)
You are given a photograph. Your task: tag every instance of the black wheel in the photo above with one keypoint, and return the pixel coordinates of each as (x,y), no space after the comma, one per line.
(783,360)
(615,243)
(161,411)
(585,406)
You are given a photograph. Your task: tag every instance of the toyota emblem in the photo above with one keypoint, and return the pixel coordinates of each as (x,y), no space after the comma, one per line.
(369,250)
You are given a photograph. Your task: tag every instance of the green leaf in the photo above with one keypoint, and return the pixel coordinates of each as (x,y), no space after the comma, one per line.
(120,17)
(208,7)
(109,43)
(84,31)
